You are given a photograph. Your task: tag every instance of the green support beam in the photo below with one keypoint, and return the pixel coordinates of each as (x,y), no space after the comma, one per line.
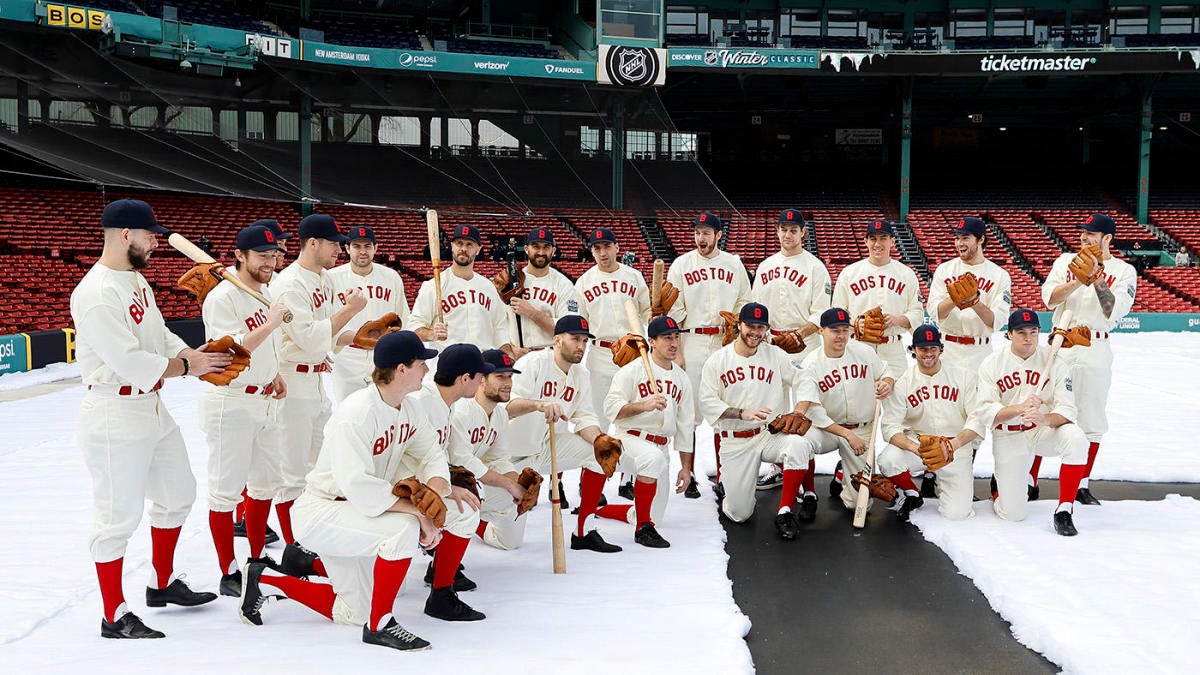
(304,125)
(1143,188)
(618,157)
(905,146)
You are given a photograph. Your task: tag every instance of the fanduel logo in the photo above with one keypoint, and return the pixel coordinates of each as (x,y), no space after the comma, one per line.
(1025,64)
(491,65)
(736,58)
(566,70)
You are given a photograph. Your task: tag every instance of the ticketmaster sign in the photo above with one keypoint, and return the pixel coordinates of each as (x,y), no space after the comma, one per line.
(446,62)
(742,59)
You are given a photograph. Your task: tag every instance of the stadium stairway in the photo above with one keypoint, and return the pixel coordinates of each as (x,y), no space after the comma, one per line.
(911,252)
(1018,258)
(660,245)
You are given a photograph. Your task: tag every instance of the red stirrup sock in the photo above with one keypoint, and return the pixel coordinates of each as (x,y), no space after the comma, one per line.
(162,554)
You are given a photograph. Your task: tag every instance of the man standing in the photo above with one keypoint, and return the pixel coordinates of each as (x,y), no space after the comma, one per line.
(133,448)
(547,294)
(1099,290)
(969,297)
(384,292)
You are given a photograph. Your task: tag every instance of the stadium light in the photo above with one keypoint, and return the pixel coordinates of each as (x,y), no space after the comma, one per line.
(185,64)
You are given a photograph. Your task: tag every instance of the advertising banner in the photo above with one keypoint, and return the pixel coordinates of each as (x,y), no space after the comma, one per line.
(707,58)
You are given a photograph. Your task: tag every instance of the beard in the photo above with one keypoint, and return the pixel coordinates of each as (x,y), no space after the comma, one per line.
(263,274)
(540,262)
(138,259)
(462,260)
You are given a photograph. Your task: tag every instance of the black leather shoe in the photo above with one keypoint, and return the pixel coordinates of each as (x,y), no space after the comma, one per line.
(393,635)
(562,496)
(911,503)
(693,490)
(647,536)
(625,491)
(808,509)
(835,485)
(786,526)
(297,561)
(128,627)
(443,603)
(231,584)
(1085,496)
(1032,493)
(929,486)
(592,541)
(1064,525)
(177,594)
(461,582)
(252,598)
(239,530)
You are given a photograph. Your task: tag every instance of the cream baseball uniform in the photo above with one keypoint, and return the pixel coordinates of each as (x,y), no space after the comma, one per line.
(707,286)
(1091,367)
(645,436)
(894,287)
(553,293)
(130,443)
(602,297)
(796,290)
(1006,379)
(966,337)
(761,380)
(479,442)
(307,341)
(472,308)
(939,405)
(384,290)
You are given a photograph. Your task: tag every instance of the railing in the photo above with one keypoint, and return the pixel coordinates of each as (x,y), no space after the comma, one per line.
(504,30)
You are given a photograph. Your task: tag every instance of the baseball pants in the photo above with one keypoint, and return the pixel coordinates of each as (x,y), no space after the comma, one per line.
(887,459)
(134,451)
(601,370)
(740,459)
(244,443)
(967,357)
(955,481)
(352,369)
(643,458)
(696,350)
(1014,451)
(1091,378)
(302,414)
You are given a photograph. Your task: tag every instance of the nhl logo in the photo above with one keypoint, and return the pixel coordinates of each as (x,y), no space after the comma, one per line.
(631,66)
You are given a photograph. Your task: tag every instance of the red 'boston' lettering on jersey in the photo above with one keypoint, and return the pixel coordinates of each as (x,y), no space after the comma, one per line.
(550,390)
(137,309)
(1014,380)
(464,298)
(319,298)
(749,372)
(708,274)
(877,281)
(385,441)
(795,276)
(541,294)
(924,393)
(665,387)
(985,285)
(850,371)
(606,287)
(259,318)
(483,434)
(372,293)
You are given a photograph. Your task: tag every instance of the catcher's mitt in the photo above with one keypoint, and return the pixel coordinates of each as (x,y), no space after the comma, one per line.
(666,300)
(935,451)
(879,486)
(1079,336)
(202,278)
(790,341)
(731,322)
(964,291)
(608,453)
(428,502)
(790,423)
(627,350)
(370,332)
(241,360)
(532,482)
(463,478)
(502,281)
(1087,265)
(869,326)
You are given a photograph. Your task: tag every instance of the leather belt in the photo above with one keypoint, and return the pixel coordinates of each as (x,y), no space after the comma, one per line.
(354,346)
(748,433)
(885,339)
(604,343)
(318,368)
(963,340)
(706,330)
(855,425)
(1099,335)
(658,440)
(128,390)
(265,391)
(1015,427)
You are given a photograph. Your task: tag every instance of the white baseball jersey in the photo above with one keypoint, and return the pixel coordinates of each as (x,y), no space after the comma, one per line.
(308,338)
(795,289)
(893,286)
(677,421)
(479,441)
(382,287)
(370,446)
(762,380)
(995,291)
(602,298)
(1084,305)
(1006,379)
(472,308)
(228,310)
(121,338)
(708,286)
(843,388)
(541,379)
(937,404)
(436,413)
(553,293)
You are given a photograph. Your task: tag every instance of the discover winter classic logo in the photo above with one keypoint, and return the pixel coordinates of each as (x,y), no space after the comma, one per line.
(1033,64)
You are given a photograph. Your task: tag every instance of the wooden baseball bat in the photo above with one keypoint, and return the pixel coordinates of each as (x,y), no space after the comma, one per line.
(864,494)
(635,327)
(556,524)
(514,320)
(656,282)
(1055,345)
(197,254)
(435,256)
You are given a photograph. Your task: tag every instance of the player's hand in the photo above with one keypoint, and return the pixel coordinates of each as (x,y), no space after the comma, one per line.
(553,411)
(1033,402)
(681,480)
(755,414)
(523,307)
(513,488)
(517,352)
(461,495)
(431,536)
(858,445)
(356,299)
(276,314)
(440,330)
(883,389)
(655,402)
(201,362)
(892,320)
(280,387)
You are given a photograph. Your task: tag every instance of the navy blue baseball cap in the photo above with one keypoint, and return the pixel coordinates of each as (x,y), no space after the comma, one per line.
(466,231)
(361,232)
(402,346)
(791,217)
(1021,318)
(880,227)
(272,225)
(662,325)
(1099,222)
(131,214)
(753,312)
(257,238)
(835,316)
(601,234)
(707,219)
(927,336)
(500,361)
(462,359)
(540,234)
(321,226)
(573,324)
(970,225)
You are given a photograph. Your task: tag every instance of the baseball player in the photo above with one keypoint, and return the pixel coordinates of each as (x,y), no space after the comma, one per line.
(969,297)
(317,328)
(745,385)
(240,419)
(546,294)
(384,291)
(887,286)
(378,446)
(131,445)
(648,416)
(795,288)
(1032,412)
(933,400)
(1099,290)
(551,386)
(281,238)
(602,291)
(471,310)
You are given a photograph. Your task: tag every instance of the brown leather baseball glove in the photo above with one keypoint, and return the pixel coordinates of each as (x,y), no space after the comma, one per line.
(790,423)
(463,478)
(608,453)
(935,451)
(241,360)
(790,341)
(532,482)
(869,326)
(626,350)
(879,486)
(731,331)
(1087,265)
(428,502)
(502,280)
(964,291)
(1080,336)
(370,332)
(200,279)
(666,300)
